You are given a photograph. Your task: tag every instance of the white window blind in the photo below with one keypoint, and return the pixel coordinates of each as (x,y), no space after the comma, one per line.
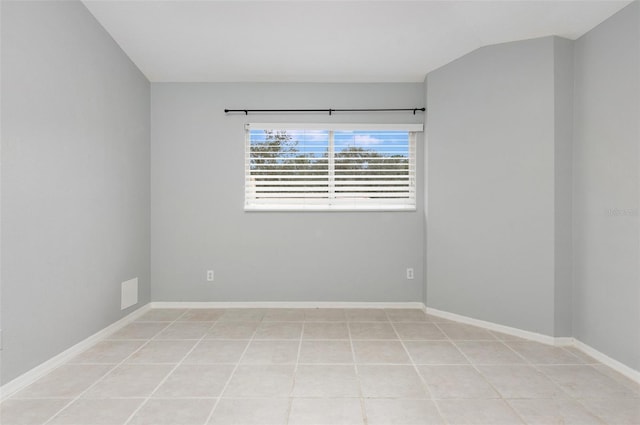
(330,167)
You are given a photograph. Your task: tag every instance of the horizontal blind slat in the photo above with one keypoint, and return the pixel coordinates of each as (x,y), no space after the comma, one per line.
(290,168)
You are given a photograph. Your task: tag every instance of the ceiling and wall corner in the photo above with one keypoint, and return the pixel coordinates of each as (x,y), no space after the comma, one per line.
(326,41)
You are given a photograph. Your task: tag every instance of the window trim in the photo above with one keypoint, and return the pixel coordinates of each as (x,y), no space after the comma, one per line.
(347,205)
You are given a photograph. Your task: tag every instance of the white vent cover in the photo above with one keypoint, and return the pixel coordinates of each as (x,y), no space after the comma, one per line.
(129,295)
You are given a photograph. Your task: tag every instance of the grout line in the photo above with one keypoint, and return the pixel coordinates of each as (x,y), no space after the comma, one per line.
(536,367)
(415,368)
(198,341)
(451,341)
(295,375)
(162,381)
(363,410)
(79,396)
(233,372)
(500,396)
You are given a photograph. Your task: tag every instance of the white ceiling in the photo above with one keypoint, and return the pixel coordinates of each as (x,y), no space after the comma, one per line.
(326,41)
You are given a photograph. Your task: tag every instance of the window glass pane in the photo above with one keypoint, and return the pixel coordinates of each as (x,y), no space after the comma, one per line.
(300,169)
(289,165)
(372,164)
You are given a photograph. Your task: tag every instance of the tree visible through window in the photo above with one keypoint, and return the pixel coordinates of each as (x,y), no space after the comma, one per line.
(329,169)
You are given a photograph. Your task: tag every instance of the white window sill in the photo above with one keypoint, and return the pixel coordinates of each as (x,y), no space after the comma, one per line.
(337,208)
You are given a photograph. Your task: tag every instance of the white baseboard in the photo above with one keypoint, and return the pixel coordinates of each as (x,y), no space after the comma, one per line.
(39,371)
(545,339)
(34,374)
(285,304)
(533,336)
(608,361)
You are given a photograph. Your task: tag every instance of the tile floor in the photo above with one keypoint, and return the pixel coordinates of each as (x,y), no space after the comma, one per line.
(321,366)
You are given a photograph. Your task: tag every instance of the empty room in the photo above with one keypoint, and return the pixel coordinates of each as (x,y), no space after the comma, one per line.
(320,212)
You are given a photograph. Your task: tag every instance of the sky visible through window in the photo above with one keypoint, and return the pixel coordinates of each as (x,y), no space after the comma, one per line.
(315,143)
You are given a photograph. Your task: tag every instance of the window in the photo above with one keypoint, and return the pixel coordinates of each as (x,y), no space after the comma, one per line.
(330,167)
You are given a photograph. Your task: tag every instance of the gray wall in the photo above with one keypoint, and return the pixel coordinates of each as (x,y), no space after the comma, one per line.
(198,222)
(563,127)
(491,185)
(606,185)
(75,180)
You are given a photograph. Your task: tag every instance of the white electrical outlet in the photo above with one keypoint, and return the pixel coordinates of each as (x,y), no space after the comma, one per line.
(409,273)
(210,275)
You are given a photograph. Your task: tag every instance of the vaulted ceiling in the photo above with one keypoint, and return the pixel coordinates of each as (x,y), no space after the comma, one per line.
(326,41)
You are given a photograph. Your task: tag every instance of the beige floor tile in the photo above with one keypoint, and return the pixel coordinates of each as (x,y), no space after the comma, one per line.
(551,412)
(366,315)
(326,411)
(65,382)
(324,315)
(382,330)
(632,385)
(434,352)
(97,412)
(506,337)
(279,330)
(243,315)
(584,357)
(284,315)
(139,330)
(460,331)
(199,381)
(173,412)
(406,315)
(326,381)
(261,381)
(419,331)
(162,352)
(29,411)
(390,381)
(271,352)
(108,352)
(456,382)
(316,379)
(162,315)
(437,319)
(538,353)
(325,330)
(584,381)
(521,381)
(247,411)
(202,315)
(130,380)
(232,330)
(401,411)
(185,330)
(478,412)
(391,352)
(489,352)
(325,352)
(622,411)
(216,351)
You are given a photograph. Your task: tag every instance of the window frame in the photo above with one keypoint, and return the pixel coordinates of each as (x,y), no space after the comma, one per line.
(323,204)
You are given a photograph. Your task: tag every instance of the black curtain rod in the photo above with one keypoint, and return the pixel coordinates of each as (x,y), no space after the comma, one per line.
(330,111)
